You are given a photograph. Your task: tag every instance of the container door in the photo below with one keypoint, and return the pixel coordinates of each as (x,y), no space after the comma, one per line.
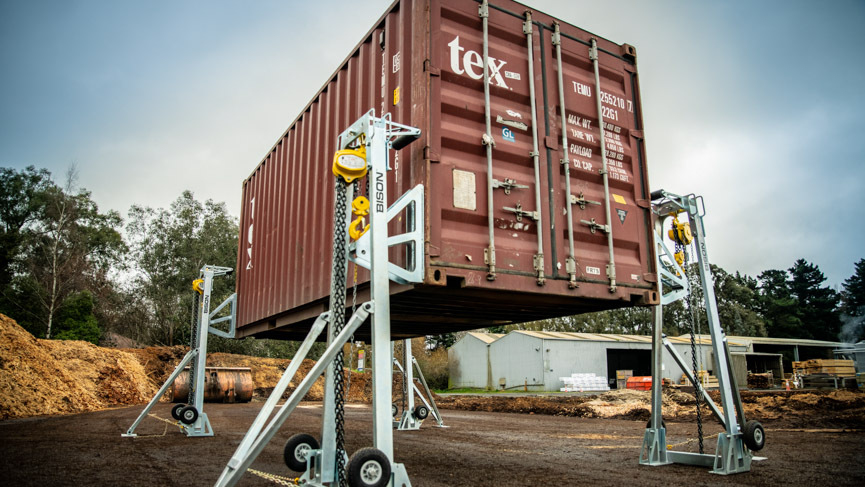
(461,178)
(628,188)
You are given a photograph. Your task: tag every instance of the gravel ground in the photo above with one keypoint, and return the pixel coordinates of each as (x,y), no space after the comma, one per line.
(478,449)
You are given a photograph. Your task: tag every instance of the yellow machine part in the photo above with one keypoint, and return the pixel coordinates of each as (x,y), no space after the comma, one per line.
(198,286)
(350,164)
(681,232)
(357,228)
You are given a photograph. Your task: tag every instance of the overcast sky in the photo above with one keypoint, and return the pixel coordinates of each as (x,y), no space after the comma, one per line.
(756,105)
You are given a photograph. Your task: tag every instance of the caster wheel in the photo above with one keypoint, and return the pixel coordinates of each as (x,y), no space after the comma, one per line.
(754,435)
(175,411)
(421,412)
(368,467)
(394,410)
(297,450)
(188,415)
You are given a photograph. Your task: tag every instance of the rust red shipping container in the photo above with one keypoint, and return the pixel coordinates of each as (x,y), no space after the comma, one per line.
(423,63)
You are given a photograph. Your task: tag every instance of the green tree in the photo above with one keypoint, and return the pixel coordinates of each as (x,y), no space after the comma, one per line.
(76,320)
(853,295)
(168,248)
(20,202)
(60,244)
(818,304)
(778,305)
(853,305)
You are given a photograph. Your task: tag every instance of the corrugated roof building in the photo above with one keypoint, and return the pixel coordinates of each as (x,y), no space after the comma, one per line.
(468,361)
(536,360)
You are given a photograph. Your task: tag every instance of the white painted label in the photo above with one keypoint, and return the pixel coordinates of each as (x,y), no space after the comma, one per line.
(512,75)
(635,277)
(395,62)
(465,191)
(595,271)
(471,63)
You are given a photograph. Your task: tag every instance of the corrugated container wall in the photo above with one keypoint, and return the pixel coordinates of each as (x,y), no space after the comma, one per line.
(423,64)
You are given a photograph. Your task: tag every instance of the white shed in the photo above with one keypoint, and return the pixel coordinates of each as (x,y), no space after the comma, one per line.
(468,361)
(535,360)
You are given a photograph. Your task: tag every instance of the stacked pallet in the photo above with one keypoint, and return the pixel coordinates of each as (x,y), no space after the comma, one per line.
(838,368)
(760,381)
(707,380)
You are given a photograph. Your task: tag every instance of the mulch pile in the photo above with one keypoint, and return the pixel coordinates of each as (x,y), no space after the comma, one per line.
(796,409)
(42,377)
(58,377)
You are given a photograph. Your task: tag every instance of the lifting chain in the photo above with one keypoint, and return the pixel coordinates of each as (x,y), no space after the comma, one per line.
(276,479)
(338,278)
(351,357)
(694,329)
(196,320)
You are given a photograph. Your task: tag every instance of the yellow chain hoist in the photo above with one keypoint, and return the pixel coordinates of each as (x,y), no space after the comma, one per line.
(681,235)
(350,164)
(198,286)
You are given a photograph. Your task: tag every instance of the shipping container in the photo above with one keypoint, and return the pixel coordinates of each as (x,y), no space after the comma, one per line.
(422,62)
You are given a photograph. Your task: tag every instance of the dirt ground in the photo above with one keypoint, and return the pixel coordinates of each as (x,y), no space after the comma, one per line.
(477,449)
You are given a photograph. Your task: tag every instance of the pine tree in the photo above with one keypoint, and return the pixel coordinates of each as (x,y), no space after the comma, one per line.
(817,303)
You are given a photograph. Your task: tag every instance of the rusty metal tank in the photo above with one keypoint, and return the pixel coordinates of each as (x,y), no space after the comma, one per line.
(422,63)
(221,384)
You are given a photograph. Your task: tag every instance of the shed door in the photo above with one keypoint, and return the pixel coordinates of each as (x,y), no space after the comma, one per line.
(640,361)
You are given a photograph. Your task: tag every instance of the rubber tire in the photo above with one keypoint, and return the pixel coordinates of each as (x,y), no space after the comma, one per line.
(754,435)
(421,412)
(394,410)
(663,424)
(188,415)
(175,411)
(290,452)
(365,462)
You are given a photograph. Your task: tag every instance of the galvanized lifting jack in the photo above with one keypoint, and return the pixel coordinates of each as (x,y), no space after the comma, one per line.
(363,151)
(191,417)
(412,416)
(740,438)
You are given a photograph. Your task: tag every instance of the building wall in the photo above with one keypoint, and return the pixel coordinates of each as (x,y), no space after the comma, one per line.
(516,360)
(521,361)
(468,363)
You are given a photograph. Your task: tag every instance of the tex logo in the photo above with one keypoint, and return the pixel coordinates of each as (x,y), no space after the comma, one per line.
(472,63)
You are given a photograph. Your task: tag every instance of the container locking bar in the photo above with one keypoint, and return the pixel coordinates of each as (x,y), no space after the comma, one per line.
(488,141)
(571,262)
(539,257)
(611,267)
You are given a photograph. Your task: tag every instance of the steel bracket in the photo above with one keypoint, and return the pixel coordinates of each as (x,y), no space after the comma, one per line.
(583,202)
(507,185)
(412,202)
(520,212)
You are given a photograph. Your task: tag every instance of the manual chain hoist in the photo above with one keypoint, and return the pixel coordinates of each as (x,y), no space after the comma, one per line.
(681,235)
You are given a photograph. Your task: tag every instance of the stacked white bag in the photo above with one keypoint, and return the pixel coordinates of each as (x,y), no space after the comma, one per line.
(584,382)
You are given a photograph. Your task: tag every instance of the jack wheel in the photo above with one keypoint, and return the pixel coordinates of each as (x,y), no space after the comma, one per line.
(175,411)
(393,410)
(297,450)
(421,412)
(368,467)
(188,415)
(754,435)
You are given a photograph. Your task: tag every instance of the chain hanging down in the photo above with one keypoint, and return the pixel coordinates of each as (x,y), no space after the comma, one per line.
(338,276)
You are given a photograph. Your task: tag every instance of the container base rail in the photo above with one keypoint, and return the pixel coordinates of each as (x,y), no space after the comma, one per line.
(363,151)
(740,439)
(191,417)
